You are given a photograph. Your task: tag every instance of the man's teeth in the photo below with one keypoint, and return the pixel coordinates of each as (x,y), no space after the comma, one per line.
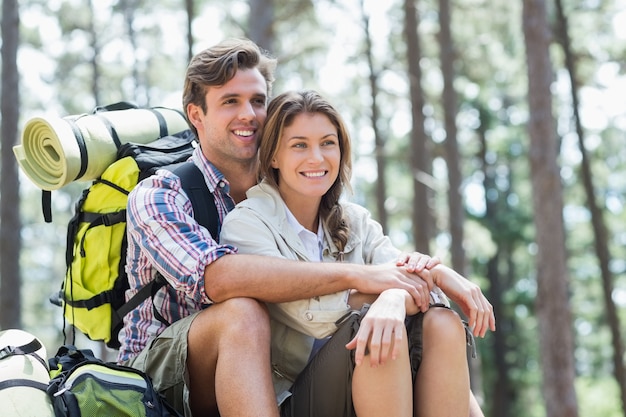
(244,132)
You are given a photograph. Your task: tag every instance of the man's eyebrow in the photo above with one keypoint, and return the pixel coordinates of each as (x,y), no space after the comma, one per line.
(237,95)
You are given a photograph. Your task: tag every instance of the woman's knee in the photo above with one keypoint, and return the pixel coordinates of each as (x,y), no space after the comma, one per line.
(443,324)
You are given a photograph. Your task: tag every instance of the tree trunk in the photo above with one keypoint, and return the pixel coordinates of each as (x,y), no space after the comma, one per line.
(95,44)
(597,215)
(381,182)
(450,106)
(261,23)
(191,14)
(502,395)
(420,153)
(10,223)
(553,309)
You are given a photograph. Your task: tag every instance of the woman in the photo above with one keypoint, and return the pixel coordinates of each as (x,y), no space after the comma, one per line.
(295,212)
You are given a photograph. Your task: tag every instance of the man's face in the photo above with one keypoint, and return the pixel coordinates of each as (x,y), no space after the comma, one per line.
(229,131)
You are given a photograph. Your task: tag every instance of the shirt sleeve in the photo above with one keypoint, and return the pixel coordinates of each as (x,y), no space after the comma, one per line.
(161,223)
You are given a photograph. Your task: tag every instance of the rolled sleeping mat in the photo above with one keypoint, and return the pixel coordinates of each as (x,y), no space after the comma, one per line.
(24,376)
(56,151)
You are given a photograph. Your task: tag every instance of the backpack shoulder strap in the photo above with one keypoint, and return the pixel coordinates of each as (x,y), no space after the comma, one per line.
(205,213)
(204,209)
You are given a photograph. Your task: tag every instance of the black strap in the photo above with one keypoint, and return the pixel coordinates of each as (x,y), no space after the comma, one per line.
(30,347)
(205,213)
(46,205)
(120,105)
(26,349)
(11,383)
(107,123)
(202,201)
(82,147)
(145,292)
(162,123)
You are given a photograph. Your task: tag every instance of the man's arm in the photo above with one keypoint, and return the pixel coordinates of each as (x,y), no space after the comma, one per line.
(279,280)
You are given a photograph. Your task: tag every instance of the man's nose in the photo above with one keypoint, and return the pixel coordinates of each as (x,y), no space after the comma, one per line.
(247,111)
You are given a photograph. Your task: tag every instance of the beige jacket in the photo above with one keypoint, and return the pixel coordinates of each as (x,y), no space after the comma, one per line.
(259,225)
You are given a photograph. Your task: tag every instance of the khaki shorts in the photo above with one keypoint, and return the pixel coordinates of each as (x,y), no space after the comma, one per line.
(324,387)
(165,361)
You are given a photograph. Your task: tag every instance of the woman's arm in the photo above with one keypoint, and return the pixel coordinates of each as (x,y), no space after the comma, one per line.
(382,328)
(467,295)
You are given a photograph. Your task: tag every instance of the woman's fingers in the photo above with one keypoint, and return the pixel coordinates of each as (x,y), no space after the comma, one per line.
(416,262)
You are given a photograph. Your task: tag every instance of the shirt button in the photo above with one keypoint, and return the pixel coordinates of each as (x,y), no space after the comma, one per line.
(309,316)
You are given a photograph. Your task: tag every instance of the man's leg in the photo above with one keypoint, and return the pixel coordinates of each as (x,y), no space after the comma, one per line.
(442,382)
(228,361)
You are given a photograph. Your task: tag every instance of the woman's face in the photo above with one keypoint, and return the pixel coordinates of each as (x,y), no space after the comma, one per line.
(307,158)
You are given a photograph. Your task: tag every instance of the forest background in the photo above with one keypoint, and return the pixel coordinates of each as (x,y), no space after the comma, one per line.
(490,133)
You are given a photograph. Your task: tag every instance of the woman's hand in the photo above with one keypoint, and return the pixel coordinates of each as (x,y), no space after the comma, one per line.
(467,295)
(382,329)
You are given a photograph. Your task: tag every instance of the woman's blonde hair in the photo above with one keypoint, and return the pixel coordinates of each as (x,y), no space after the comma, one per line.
(281,113)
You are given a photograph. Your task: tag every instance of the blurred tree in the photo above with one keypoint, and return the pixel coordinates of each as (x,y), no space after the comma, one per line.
(190,8)
(261,23)
(420,146)
(10,221)
(379,140)
(450,111)
(553,308)
(597,215)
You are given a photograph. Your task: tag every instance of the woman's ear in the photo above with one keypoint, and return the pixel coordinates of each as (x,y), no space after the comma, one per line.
(274,163)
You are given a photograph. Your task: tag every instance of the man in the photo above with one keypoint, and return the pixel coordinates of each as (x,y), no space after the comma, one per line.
(214,358)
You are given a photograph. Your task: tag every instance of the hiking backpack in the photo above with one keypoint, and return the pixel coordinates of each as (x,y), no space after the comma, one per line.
(93,290)
(83,385)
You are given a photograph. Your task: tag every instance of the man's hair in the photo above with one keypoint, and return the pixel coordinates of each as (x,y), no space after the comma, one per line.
(281,113)
(217,65)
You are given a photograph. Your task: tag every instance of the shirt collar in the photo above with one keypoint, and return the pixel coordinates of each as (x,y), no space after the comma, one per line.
(312,242)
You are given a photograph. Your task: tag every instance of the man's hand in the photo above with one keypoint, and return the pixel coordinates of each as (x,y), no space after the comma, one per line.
(374,279)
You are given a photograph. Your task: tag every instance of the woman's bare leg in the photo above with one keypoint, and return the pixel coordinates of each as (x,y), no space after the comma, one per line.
(385,390)
(475,410)
(442,386)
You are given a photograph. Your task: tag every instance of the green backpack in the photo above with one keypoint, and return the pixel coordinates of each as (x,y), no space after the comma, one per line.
(93,291)
(83,385)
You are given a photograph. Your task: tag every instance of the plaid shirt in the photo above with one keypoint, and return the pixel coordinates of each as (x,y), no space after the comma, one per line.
(163,236)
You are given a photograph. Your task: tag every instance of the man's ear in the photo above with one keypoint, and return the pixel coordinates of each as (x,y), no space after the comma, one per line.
(194,114)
